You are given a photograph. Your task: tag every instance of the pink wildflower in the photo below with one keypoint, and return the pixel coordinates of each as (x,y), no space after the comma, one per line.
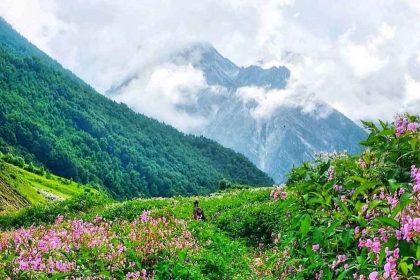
(278,192)
(412,126)
(59,219)
(330,173)
(318,275)
(400,126)
(373,275)
(362,164)
(338,188)
(145,216)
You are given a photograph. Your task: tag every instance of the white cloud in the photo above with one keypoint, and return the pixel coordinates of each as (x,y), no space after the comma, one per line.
(365,59)
(161,94)
(264,103)
(412,94)
(360,56)
(37,20)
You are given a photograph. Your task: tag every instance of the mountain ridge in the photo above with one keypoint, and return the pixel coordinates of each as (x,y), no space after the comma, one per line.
(219,70)
(231,116)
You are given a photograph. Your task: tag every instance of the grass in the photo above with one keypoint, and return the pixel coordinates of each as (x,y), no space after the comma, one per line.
(34,188)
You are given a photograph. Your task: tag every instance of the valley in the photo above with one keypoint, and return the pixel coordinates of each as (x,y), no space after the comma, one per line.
(272,184)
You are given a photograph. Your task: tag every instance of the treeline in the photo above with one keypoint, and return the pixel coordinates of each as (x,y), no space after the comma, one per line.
(20,162)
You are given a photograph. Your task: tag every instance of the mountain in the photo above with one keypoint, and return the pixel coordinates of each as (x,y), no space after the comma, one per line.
(288,138)
(285,137)
(51,117)
(220,71)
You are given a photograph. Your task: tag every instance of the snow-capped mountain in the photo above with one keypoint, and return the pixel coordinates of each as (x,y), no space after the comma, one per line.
(239,112)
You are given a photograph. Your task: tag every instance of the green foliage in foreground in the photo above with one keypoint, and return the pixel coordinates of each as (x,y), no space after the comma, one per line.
(341,217)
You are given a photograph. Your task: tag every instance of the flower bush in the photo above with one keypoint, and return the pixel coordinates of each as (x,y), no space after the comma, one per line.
(96,249)
(358,217)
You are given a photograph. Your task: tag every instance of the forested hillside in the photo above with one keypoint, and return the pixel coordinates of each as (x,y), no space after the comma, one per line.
(53,118)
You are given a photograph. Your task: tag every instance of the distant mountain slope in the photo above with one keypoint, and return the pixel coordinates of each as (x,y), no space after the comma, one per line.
(287,136)
(52,117)
(287,139)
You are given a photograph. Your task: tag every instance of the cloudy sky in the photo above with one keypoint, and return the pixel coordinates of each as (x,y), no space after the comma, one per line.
(360,56)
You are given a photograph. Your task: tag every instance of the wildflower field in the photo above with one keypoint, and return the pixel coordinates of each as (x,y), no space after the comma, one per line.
(341,217)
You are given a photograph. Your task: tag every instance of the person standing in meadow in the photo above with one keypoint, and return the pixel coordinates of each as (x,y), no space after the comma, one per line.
(198,213)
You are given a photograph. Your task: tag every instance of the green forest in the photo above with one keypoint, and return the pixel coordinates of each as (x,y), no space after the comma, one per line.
(54,119)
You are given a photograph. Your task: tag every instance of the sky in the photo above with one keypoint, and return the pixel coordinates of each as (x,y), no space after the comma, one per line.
(362,56)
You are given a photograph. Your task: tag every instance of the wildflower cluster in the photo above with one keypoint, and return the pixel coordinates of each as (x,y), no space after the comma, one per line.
(278,192)
(415,176)
(403,125)
(364,211)
(98,248)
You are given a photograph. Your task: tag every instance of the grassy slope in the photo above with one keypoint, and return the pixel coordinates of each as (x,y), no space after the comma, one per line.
(22,188)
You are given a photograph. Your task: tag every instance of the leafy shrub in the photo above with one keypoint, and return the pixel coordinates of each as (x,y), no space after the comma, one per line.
(351,216)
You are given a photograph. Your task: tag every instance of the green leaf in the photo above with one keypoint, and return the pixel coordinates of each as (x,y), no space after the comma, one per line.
(105,273)
(327,274)
(393,184)
(387,132)
(347,237)
(375,203)
(362,189)
(387,221)
(331,229)
(324,167)
(370,125)
(305,225)
(356,178)
(418,251)
(318,235)
(404,267)
(384,125)
(414,144)
(405,250)
(342,206)
(342,275)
